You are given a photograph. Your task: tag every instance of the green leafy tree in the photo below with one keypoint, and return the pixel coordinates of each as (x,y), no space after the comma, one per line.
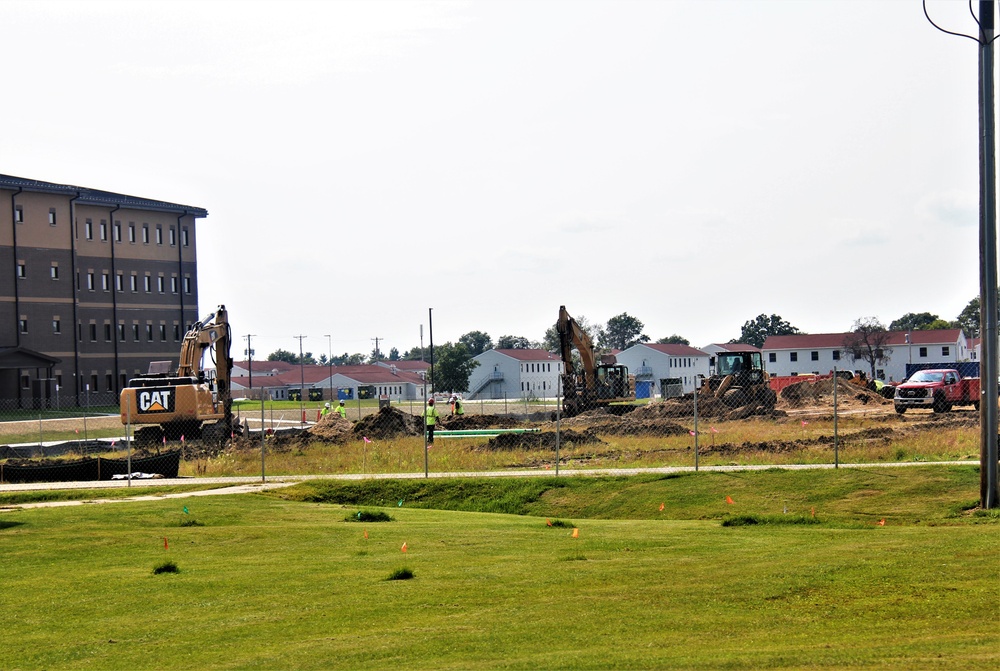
(354,359)
(453,365)
(969,318)
(393,354)
(867,342)
(673,340)
(621,332)
(514,342)
(376,355)
(915,322)
(417,354)
(477,342)
(757,330)
(551,340)
(289,357)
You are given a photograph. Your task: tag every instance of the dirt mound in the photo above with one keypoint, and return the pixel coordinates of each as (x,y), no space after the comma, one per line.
(388,422)
(820,392)
(545,440)
(466,422)
(333,429)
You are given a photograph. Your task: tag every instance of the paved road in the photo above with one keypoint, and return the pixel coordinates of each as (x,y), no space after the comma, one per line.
(246,485)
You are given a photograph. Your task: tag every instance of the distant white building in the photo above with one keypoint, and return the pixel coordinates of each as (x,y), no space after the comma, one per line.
(820,353)
(515,373)
(651,363)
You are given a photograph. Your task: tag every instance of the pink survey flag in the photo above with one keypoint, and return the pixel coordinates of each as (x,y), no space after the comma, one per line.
(714,430)
(366,439)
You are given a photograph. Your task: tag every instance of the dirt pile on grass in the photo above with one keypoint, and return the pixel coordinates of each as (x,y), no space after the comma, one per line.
(467,422)
(332,429)
(545,440)
(388,422)
(820,392)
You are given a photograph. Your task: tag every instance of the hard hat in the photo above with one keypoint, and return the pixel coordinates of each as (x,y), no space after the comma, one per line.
(328,405)
(430,401)
(342,403)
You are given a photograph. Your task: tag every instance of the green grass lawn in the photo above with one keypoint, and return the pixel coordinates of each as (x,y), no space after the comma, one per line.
(285,581)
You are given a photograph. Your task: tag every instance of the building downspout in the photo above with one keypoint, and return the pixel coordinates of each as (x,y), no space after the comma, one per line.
(17,297)
(114,294)
(77,375)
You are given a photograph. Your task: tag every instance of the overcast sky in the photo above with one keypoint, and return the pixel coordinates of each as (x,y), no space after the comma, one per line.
(693,164)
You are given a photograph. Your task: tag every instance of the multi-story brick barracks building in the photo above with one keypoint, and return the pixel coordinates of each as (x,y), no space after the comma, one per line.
(95,285)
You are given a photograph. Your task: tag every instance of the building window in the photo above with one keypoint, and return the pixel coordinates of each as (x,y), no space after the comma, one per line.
(187,285)
(56,326)
(159,284)
(173,237)
(836,355)
(104,230)
(173,285)
(135,332)
(18,214)
(93,332)
(814,356)
(107,331)
(25,382)
(923,352)
(945,351)
(177,332)
(105,282)
(90,281)
(184,236)
(131,231)
(793,356)
(108,381)
(22,270)
(54,272)
(52,216)
(133,283)
(772,357)
(145,234)
(147,283)
(93,383)
(120,282)
(22,325)
(121,332)
(88,229)
(163,333)
(159,234)
(118,231)
(149,332)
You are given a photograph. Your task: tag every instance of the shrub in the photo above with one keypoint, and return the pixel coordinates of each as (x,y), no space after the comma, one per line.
(401,574)
(773,520)
(166,567)
(191,523)
(369,516)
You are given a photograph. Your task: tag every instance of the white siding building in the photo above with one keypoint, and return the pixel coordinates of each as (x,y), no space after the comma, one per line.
(652,363)
(820,353)
(515,373)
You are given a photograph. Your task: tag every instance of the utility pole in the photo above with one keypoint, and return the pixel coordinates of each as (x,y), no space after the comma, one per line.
(375,356)
(302,373)
(249,353)
(989,496)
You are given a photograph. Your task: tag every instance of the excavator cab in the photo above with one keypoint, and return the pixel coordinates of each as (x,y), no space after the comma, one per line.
(740,379)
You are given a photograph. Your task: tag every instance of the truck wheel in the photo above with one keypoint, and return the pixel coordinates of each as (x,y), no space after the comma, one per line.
(939,404)
(900,409)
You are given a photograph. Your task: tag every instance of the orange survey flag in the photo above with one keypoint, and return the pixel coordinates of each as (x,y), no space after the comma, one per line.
(366,533)
(729,500)
(576,533)
(403,549)
(548,523)
(881,522)
(661,507)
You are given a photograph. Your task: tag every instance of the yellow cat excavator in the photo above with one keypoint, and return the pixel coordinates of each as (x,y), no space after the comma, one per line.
(594,384)
(186,402)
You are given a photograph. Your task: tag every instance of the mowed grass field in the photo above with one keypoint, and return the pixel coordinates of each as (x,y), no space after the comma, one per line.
(796,572)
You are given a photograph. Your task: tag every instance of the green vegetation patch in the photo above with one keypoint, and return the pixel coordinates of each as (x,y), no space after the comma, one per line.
(401,574)
(369,516)
(774,520)
(166,567)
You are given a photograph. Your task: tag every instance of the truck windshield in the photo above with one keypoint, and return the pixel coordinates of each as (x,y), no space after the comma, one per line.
(925,376)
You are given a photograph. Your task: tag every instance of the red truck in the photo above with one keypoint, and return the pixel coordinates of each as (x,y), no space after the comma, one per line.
(938,389)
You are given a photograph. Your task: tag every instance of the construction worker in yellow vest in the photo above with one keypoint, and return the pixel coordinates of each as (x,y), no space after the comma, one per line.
(342,411)
(456,408)
(430,419)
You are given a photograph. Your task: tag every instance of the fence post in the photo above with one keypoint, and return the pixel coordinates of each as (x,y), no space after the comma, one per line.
(263,479)
(836,449)
(128,442)
(696,427)
(558,426)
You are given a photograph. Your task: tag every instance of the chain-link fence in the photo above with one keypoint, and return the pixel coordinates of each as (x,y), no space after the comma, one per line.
(733,417)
